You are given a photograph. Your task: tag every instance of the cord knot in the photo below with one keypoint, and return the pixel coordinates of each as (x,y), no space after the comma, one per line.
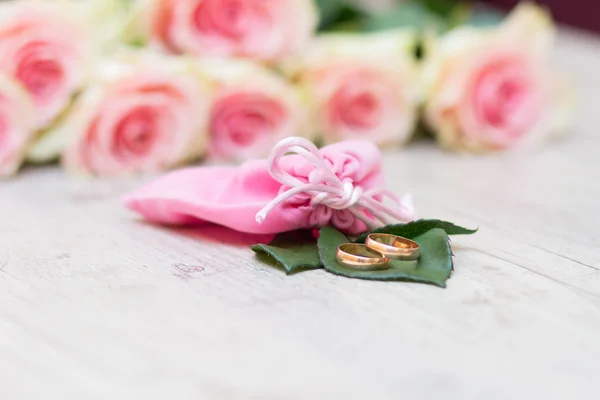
(328,192)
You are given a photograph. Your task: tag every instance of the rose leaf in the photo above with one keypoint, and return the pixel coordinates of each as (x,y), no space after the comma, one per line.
(294,252)
(433,267)
(416,228)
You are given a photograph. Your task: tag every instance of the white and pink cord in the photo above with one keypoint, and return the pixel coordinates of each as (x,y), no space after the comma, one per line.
(327,189)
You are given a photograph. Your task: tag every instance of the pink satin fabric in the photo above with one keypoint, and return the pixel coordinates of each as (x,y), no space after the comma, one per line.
(232,196)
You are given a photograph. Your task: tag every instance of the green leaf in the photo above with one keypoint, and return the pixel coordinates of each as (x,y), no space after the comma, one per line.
(337,14)
(410,14)
(329,10)
(416,228)
(295,252)
(444,8)
(434,266)
(484,18)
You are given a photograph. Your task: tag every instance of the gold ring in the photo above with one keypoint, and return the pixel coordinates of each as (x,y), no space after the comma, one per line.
(360,257)
(394,247)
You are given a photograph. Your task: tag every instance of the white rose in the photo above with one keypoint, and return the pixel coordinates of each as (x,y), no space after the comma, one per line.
(17,124)
(266,30)
(253,108)
(142,113)
(491,89)
(363,86)
(48,47)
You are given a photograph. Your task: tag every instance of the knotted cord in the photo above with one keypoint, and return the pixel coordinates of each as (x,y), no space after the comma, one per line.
(327,189)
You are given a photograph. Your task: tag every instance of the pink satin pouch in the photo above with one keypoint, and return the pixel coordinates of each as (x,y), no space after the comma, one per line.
(233,196)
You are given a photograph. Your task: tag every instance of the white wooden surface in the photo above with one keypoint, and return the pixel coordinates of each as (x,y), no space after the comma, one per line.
(96,305)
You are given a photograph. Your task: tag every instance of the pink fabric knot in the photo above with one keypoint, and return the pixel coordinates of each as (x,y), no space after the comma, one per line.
(333,199)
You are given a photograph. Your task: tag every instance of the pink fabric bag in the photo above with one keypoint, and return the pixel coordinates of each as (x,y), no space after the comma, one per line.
(339,185)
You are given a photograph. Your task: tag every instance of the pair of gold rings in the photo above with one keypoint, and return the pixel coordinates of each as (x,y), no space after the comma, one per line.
(377,252)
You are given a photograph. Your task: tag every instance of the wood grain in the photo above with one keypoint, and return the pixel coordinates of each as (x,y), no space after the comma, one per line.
(95,304)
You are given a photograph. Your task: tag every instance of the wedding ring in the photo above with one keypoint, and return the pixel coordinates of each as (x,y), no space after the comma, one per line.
(393,247)
(360,257)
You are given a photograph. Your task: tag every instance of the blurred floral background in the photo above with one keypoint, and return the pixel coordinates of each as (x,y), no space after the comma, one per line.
(121,87)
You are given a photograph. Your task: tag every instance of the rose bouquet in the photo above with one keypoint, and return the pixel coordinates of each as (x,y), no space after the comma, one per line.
(117,87)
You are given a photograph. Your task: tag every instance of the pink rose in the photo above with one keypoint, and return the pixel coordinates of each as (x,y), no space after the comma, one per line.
(491,90)
(258,29)
(253,109)
(363,86)
(142,114)
(45,46)
(17,119)
(504,99)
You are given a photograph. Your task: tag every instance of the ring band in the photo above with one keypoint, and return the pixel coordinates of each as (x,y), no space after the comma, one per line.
(360,257)
(394,247)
